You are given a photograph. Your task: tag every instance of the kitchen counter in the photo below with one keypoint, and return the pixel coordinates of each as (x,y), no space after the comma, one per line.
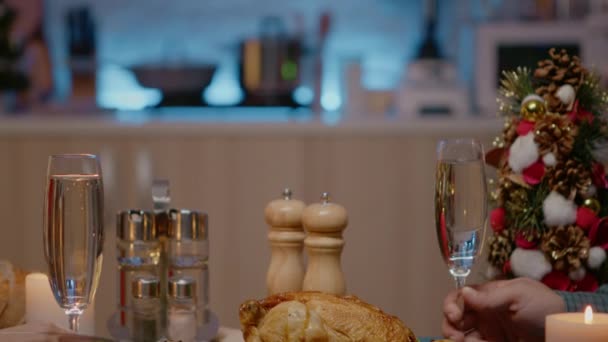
(227,121)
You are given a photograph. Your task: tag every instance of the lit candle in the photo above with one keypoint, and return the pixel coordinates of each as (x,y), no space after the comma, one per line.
(577,326)
(41,306)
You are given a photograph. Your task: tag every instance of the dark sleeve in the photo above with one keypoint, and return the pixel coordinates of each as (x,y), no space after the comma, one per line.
(576,301)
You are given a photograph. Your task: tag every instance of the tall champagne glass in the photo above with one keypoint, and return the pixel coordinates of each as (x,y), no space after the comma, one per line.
(73,231)
(460,204)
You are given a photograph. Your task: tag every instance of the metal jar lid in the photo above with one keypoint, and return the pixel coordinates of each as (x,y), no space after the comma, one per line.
(146,287)
(182,287)
(135,225)
(187,224)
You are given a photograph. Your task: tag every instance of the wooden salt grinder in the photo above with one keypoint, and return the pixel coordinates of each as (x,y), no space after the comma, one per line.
(286,237)
(324,223)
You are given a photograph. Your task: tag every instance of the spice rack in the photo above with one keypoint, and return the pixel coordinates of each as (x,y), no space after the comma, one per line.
(163,276)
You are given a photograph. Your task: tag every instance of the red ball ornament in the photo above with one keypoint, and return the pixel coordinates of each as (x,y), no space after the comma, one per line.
(523,242)
(587,284)
(534,173)
(557,280)
(598,233)
(506,268)
(585,218)
(524,127)
(599,176)
(497,219)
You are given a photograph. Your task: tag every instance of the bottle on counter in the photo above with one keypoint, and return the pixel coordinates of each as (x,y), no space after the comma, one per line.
(182,321)
(188,254)
(138,255)
(146,325)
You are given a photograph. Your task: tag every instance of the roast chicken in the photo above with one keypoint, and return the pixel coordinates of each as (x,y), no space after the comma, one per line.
(12,294)
(315,316)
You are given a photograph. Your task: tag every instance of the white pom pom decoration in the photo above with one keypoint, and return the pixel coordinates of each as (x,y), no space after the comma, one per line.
(578,274)
(558,210)
(530,263)
(523,152)
(566,94)
(549,159)
(597,256)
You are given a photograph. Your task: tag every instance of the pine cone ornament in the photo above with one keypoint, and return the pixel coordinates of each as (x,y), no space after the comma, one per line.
(501,246)
(560,69)
(567,177)
(565,247)
(512,196)
(555,133)
(516,200)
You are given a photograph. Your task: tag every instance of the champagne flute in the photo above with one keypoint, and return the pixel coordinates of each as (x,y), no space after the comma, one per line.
(460,204)
(73,231)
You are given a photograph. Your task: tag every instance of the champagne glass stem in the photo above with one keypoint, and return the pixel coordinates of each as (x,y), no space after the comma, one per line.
(460,281)
(73,318)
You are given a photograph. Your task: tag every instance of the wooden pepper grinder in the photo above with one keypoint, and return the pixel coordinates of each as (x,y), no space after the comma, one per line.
(286,237)
(324,223)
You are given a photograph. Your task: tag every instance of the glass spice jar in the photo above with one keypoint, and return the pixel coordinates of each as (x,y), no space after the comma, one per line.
(146,310)
(182,309)
(138,254)
(188,254)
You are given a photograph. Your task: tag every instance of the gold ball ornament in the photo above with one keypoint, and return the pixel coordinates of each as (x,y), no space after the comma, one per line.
(533,108)
(592,204)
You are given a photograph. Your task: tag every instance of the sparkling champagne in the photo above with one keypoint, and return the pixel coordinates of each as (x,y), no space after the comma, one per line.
(460,212)
(73,236)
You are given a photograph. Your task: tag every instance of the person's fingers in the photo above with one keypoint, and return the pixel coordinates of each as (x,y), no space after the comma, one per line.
(449,331)
(491,285)
(474,336)
(499,297)
(468,322)
(451,310)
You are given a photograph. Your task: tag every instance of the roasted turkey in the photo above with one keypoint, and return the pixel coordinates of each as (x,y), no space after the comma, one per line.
(315,316)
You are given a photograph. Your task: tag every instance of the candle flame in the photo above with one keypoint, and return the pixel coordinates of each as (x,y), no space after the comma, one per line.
(588,315)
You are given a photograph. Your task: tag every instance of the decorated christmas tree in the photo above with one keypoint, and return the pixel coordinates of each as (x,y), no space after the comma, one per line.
(550,216)
(11,77)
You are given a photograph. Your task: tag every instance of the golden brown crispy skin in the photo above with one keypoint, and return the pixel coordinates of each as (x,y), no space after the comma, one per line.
(12,294)
(315,316)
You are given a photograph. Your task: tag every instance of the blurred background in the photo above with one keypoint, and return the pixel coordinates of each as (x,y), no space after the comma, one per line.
(232,100)
(141,54)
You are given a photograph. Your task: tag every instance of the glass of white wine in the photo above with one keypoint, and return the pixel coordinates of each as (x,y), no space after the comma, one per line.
(73,231)
(460,204)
